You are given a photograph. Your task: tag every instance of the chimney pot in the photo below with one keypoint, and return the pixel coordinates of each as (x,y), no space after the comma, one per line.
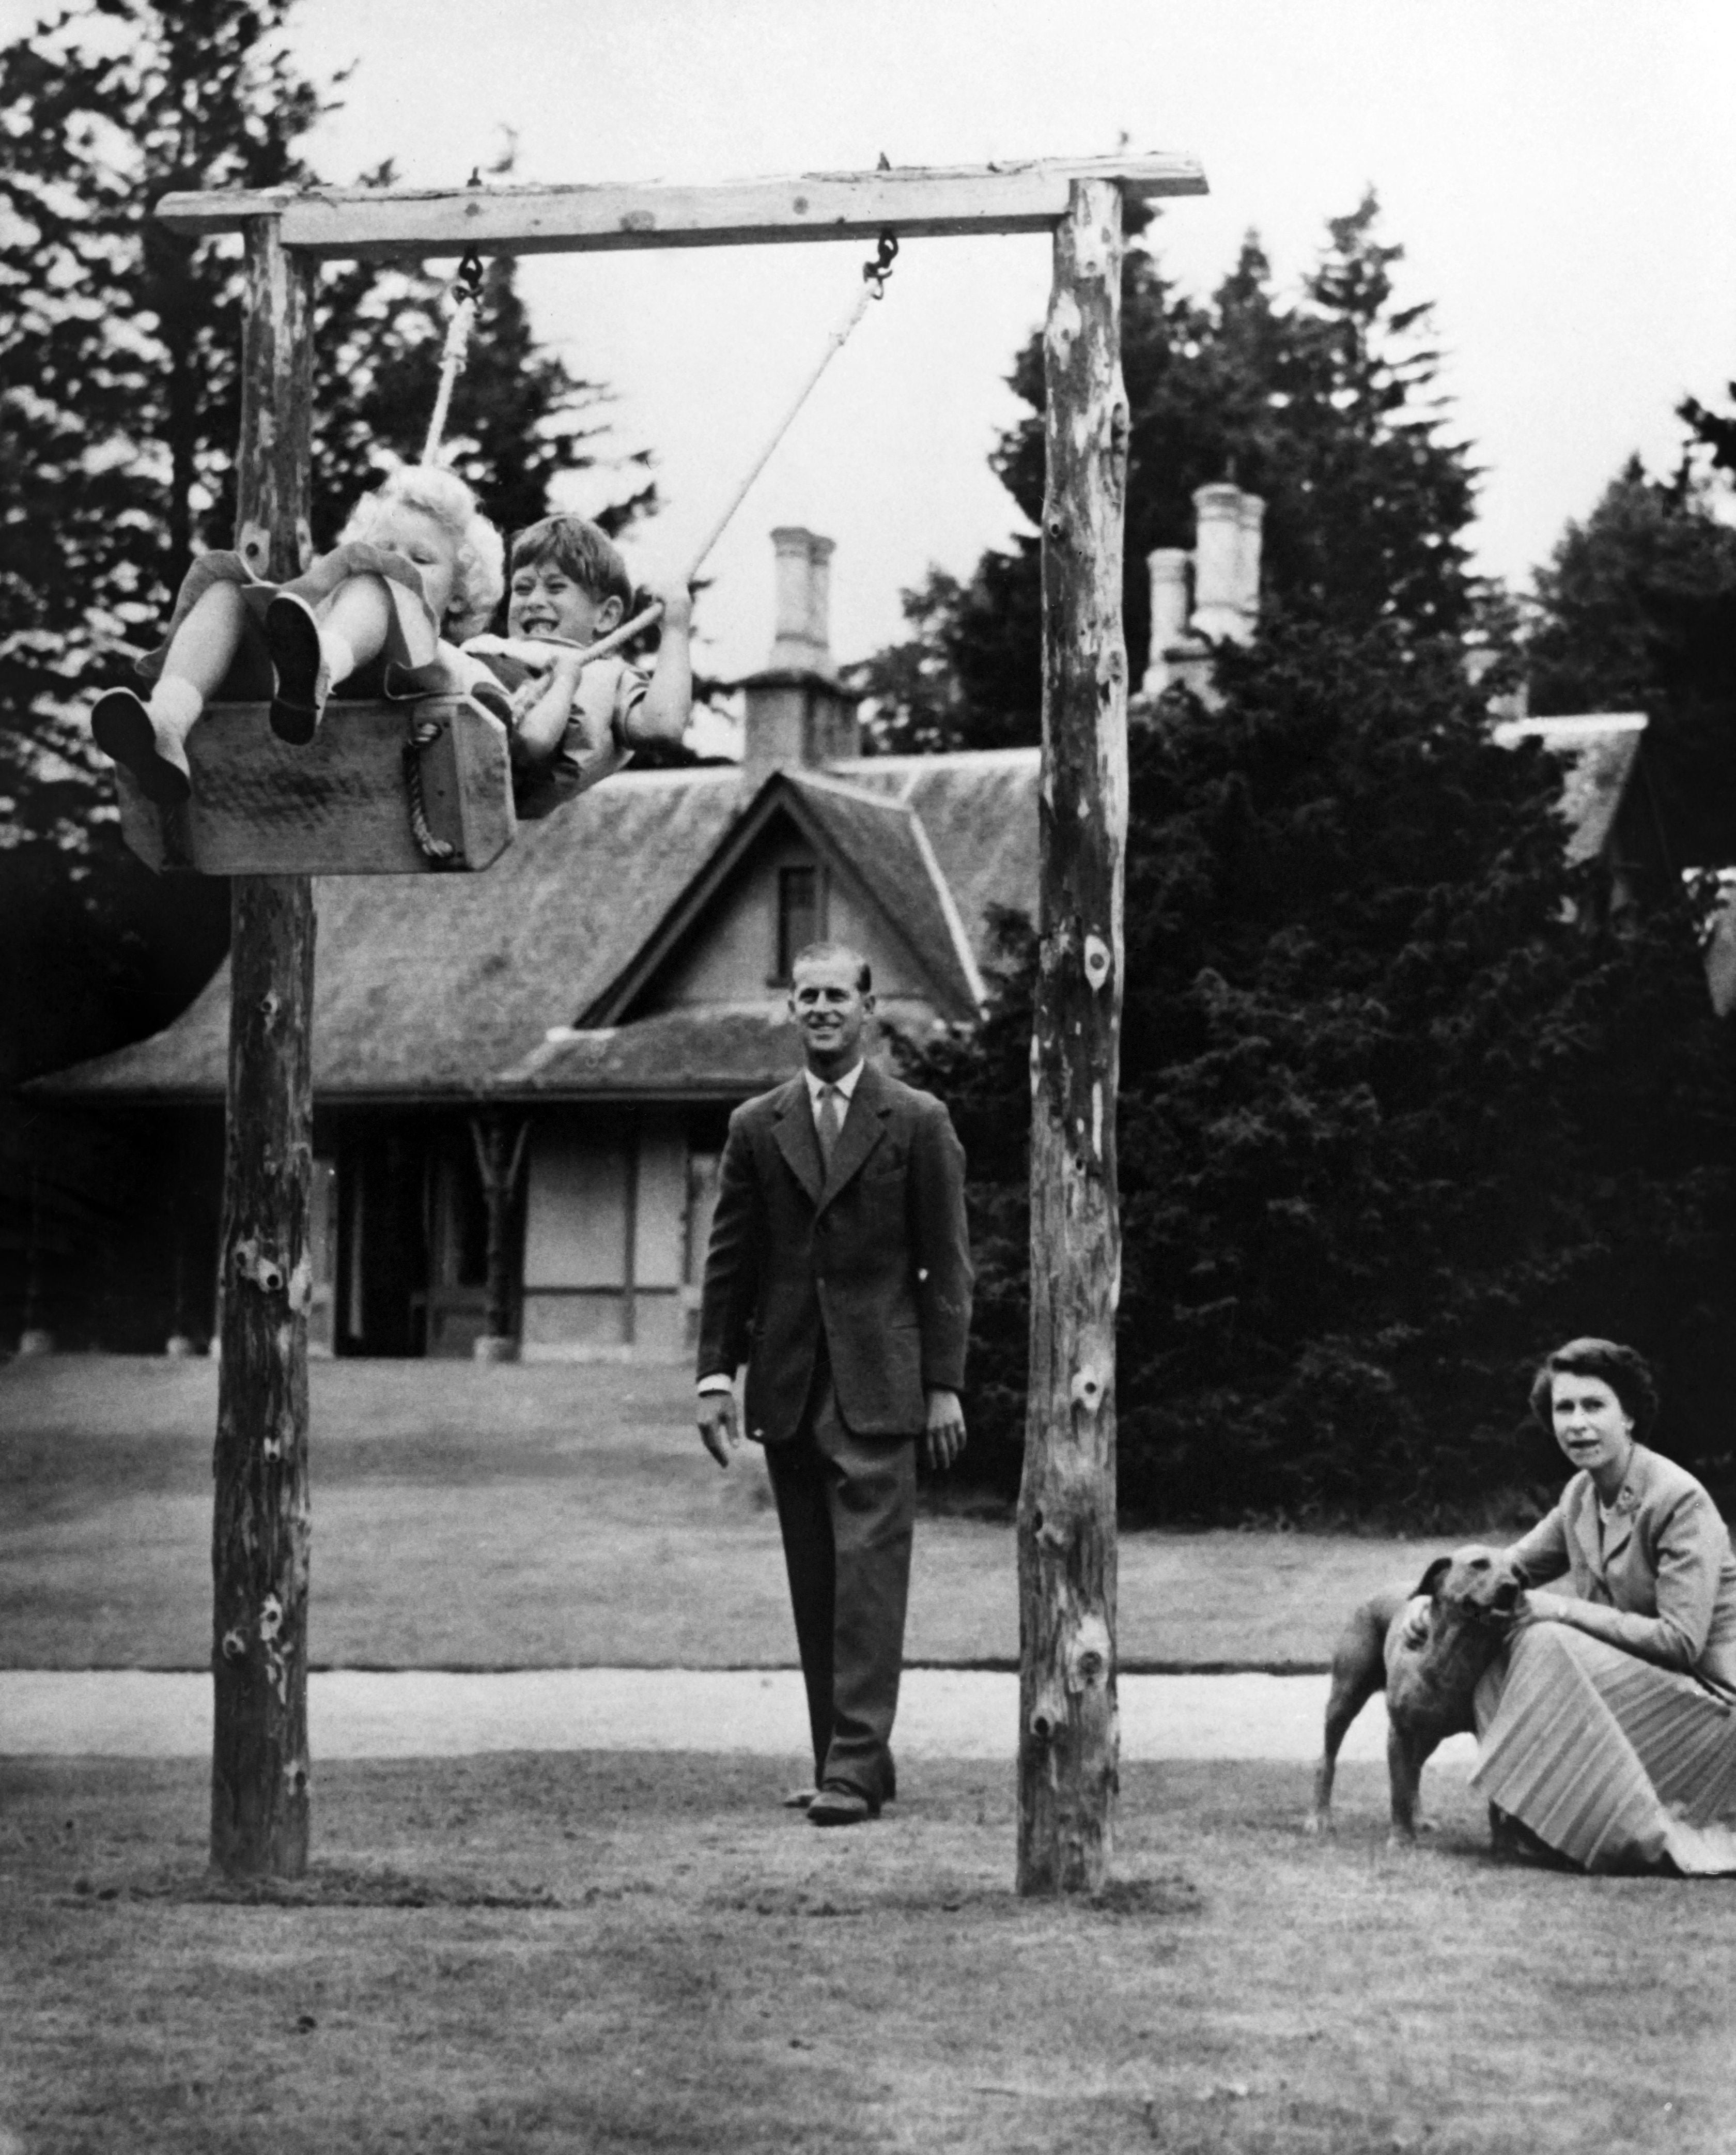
(802,634)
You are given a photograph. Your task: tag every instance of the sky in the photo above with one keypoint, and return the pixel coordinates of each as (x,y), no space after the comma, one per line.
(1561,173)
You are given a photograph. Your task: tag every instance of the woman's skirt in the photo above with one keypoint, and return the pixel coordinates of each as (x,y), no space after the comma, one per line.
(413,648)
(1616,1762)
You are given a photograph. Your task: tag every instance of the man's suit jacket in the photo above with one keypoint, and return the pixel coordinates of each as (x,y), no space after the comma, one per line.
(1658,1580)
(874,1258)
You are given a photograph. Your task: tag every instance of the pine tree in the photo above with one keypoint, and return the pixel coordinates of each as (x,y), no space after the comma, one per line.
(1400,1105)
(119,415)
(1327,408)
(1637,611)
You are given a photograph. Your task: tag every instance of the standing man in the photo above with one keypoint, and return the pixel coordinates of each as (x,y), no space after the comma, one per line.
(840,1273)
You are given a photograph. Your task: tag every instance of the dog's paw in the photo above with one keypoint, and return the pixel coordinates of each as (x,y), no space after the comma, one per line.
(1428,1825)
(1317,1824)
(1401,1842)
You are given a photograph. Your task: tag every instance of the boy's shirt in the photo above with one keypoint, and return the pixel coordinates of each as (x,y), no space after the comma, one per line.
(595,743)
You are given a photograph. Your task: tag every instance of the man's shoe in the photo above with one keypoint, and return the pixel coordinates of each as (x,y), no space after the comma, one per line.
(834,1805)
(297,703)
(124,730)
(797,1800)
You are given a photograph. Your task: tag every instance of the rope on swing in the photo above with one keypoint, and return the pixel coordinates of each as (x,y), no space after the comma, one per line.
(875,274)
(467,288)
(420,732)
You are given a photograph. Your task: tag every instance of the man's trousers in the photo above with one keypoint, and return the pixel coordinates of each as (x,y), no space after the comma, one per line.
(847,1507)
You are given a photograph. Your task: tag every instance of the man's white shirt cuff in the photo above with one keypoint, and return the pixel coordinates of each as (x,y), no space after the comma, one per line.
(716,1383)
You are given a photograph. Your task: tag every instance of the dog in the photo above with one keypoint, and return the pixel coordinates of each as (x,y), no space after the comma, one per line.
(1429,1680)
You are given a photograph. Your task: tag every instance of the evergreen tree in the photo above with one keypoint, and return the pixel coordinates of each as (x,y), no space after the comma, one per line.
(120,408)
(1398,1107)
(1327,408)
(1637,611)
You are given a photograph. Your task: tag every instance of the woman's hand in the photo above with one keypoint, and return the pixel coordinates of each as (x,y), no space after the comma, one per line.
(1537,1607)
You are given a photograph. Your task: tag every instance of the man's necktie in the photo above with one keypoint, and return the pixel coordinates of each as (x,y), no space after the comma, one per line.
(826,1125)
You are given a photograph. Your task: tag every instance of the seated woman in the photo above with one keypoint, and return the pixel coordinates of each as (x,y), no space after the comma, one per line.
(1607,1725)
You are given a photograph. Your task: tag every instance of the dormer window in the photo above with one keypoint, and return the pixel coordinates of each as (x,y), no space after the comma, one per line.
(801,916)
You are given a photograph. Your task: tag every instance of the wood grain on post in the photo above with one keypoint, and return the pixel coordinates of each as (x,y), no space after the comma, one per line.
(259,1782)
(1069,1738)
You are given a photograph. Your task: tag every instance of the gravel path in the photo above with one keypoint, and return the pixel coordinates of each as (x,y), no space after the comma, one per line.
(943,1713)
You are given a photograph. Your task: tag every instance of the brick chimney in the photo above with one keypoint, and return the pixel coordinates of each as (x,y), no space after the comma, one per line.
(1224,570)
(796,712)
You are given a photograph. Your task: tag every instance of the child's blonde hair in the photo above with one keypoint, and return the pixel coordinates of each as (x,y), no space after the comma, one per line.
(478,580)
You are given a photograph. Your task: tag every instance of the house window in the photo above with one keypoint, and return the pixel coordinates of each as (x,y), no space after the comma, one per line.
(801,915)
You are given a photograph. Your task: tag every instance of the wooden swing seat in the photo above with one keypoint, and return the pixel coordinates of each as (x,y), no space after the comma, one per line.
(341,806)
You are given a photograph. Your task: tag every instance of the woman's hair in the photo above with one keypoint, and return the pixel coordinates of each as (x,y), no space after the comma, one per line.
(477,581)
(580,549)
(1625,1372)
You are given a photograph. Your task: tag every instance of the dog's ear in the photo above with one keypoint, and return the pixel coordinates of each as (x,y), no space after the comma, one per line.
(1436,1573)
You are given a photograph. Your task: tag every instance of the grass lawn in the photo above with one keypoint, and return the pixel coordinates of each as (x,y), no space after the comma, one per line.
(529,1953)
(546,1516)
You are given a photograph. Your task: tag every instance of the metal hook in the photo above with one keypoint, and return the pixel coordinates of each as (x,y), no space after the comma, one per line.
(467,284)
(876,272)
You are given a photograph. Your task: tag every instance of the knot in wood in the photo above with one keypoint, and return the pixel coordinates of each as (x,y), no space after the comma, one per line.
(270,1003)
(271,1619)
(295,1776)
(1089,1657)
(272,1447)
(1087,1390)
(1096,961)
(258,1267)
(235,1645)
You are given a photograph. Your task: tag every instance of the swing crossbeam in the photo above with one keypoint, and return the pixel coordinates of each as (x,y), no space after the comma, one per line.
(912,201)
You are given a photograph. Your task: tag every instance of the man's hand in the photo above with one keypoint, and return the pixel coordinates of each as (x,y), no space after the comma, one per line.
(718,1431)
(943,1439)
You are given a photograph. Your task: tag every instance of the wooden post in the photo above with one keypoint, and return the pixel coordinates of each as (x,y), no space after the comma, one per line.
(259,1787)
(1069,1739)
(497,1164)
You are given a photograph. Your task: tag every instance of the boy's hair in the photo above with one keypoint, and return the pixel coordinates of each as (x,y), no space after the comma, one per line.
(477,582)
(582,550)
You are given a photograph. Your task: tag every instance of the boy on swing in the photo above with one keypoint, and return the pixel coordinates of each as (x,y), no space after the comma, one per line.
(573,724)
(417,564)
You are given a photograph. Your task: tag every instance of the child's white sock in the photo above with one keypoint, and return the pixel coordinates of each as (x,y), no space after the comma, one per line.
(174,704)
(338,653)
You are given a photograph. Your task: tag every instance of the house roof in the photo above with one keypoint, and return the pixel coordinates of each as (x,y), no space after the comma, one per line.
(445,986)
(1599,751)
(873,836)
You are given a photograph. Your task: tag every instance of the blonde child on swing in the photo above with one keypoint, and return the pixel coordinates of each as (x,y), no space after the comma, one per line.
(416,569)
(575,722)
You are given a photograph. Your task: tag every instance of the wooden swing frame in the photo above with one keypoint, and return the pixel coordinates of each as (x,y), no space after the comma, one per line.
(1068,1742)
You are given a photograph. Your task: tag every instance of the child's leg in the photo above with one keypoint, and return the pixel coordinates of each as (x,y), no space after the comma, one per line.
(150,738)
(311,653)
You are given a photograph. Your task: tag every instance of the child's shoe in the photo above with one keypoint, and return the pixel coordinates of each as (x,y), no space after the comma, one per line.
(123,729)
(292,637)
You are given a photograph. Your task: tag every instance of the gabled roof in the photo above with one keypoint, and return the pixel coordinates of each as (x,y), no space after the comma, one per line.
(1599,751)
(438,986)
(873,836)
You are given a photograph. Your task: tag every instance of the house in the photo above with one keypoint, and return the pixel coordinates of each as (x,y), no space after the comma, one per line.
(576,1025)
(594,1006)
